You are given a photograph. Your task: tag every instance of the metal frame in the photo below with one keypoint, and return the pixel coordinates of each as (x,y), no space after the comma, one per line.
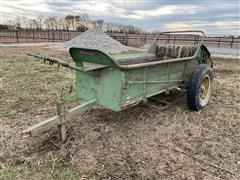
(182,32)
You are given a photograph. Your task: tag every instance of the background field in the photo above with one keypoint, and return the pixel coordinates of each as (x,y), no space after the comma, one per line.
(142,142)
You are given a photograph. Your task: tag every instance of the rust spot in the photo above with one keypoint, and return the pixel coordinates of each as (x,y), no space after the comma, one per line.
(86,53)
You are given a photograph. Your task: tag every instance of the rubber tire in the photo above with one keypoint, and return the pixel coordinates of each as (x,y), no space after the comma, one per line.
(194,86)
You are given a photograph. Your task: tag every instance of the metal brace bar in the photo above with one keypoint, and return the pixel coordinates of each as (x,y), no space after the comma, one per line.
(43,126)
(141,82)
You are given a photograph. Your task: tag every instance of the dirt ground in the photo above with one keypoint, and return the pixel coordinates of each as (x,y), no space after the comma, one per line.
(141,142)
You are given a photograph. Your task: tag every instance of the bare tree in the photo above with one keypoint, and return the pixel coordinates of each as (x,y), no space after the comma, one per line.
(25,21)
(35,24)
(61,23)
(120,28)
(51,23)
(18,22)
(100,23)
(54,20)
(11,24)
(39,21)
(78,20)
(47,24)
(70,19)
(82,28)
(31,23)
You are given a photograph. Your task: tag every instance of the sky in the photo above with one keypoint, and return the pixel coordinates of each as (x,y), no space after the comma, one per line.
(215,17)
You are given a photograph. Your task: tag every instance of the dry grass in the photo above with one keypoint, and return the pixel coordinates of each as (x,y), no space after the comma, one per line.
(108,145)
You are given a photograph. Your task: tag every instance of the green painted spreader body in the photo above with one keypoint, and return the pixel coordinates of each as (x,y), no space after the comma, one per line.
(121,81)
(116,82)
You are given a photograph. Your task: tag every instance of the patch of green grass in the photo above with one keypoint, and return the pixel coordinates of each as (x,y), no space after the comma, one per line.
(70,98)
(7,113)
(64,173)
(12,61)
(101,174)
(36,169)
(12,172)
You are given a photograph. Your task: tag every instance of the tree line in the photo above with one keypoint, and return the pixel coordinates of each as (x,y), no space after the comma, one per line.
(80,22)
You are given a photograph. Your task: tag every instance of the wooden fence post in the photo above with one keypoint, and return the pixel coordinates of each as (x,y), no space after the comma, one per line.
(231,44)
(33,35)
(168,39)
(53,36)
(17,36)
(219,40)
(141,40)
(48,35)
(197,40)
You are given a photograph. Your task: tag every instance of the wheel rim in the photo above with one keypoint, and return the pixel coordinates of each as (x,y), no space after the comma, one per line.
(205,91)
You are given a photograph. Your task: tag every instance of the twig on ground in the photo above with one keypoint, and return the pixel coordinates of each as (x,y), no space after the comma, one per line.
(69,153)
(159,100)
(55,144)
(53,164)
(159,108)
(75,149)
(201,160)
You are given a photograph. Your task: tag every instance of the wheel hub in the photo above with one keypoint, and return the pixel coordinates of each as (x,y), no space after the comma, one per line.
(205,91)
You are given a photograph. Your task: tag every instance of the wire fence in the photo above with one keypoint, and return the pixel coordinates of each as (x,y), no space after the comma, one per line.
(135,40)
